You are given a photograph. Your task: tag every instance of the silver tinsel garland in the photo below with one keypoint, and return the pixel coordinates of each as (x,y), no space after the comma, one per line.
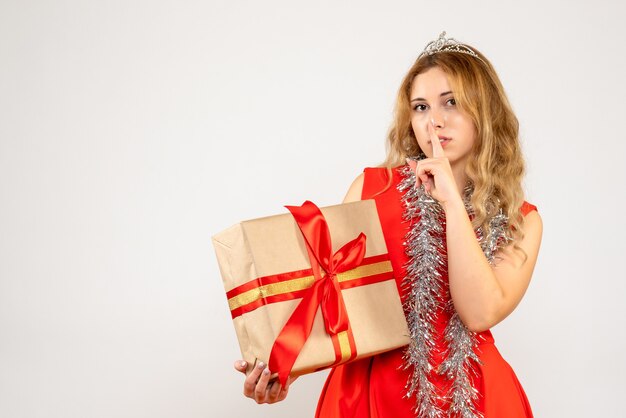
(429,296)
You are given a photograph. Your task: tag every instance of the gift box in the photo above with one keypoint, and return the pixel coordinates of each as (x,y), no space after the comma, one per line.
(311,289)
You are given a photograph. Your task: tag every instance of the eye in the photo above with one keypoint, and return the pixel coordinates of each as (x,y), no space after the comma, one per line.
(419,107)
(451,102)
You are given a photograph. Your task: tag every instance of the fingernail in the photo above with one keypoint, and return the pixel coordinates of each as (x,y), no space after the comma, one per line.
(266,372)
(243,364)
(261,365)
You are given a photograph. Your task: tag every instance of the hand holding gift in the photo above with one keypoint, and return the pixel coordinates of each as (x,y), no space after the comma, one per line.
(258,385)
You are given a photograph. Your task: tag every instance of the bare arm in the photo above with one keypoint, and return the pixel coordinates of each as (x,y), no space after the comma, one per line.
(355,190)
(483,295)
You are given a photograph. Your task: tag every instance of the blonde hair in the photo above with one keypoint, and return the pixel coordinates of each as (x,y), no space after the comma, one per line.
(496,167)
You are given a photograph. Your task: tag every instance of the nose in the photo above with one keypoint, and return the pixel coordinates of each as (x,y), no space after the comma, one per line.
(437,119)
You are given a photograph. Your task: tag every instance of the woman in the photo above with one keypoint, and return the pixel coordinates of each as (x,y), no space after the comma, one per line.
(463,244)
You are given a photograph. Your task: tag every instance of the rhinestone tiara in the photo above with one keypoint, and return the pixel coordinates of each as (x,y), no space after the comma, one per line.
(443,44)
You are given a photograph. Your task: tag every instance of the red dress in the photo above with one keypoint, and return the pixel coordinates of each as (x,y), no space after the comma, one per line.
(375,387)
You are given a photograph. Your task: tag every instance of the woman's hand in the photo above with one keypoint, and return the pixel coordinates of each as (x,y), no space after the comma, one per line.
(257,385)
(435,173)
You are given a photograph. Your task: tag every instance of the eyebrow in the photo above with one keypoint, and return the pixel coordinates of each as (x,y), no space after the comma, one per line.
(423,100)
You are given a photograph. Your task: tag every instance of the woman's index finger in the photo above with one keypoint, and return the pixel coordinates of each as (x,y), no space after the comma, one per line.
(434,141)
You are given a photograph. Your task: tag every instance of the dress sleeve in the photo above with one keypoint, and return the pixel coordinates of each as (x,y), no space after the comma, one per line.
(375,181)
(527,208)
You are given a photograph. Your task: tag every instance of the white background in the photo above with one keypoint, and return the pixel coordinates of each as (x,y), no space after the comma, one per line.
(131,131)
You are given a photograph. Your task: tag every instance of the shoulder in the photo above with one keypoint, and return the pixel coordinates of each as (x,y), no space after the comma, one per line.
(532,228)
(532,219)
(533,224)
(527,208)
(356,189)
(372,182)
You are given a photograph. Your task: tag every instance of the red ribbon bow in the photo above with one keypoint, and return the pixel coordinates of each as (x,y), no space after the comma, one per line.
(325,291)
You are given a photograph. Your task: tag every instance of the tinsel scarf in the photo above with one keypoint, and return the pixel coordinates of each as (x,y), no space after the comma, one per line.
(429,297)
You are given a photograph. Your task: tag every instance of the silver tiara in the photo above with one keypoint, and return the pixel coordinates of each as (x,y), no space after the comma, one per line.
(443,44)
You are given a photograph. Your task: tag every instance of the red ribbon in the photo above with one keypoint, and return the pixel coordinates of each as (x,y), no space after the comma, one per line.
(325,290)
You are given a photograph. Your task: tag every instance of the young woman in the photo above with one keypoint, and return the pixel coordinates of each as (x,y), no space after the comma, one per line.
(463,244)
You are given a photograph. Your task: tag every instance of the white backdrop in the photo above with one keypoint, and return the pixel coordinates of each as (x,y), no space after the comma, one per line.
(131,131)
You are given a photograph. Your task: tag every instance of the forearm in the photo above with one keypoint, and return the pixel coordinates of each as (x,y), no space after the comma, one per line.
(474,289)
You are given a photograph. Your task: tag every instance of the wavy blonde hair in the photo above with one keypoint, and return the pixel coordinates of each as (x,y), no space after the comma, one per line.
(496,167)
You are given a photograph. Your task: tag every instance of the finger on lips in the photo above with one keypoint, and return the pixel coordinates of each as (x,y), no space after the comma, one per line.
(434,141)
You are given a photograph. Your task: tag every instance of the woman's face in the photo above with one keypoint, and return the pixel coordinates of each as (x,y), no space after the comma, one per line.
(432,99)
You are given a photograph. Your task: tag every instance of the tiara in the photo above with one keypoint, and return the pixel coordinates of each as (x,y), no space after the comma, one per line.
(443,44)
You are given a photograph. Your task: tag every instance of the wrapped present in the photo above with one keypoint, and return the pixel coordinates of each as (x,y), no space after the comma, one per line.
(311,289)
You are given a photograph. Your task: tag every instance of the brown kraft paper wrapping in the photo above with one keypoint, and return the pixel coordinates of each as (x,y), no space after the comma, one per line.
(273,249)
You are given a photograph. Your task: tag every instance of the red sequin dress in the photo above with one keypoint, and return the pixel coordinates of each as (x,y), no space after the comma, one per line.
(375,387)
